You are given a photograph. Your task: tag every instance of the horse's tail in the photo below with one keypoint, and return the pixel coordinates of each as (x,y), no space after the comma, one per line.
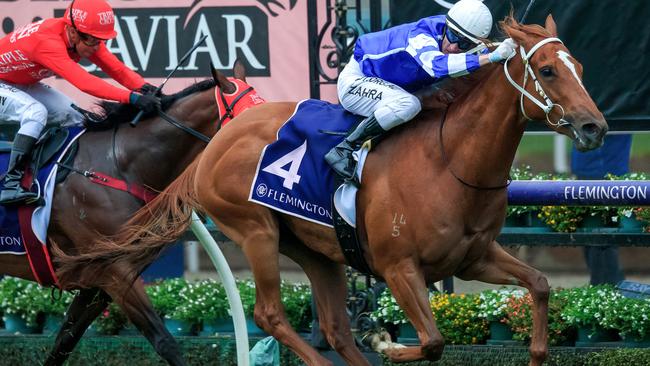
(141,239)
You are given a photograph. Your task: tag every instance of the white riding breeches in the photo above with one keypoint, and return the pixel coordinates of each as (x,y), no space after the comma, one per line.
(34,105)
(365,96)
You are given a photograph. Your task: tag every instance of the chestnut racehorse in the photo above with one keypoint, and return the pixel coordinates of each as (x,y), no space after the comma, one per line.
(151,155)
(444,174)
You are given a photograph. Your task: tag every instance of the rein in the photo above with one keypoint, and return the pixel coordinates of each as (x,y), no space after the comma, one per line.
(448,165)
(227,114)
(176,123)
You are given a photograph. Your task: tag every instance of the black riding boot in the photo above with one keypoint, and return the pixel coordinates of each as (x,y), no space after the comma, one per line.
(340,157)
(12,192)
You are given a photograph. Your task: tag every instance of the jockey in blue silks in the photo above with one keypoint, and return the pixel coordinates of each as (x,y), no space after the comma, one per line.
(389,65)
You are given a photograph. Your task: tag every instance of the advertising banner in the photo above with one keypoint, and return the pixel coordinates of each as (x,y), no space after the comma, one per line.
(269,36)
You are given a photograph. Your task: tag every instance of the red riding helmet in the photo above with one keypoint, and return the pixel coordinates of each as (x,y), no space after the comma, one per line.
(93,17)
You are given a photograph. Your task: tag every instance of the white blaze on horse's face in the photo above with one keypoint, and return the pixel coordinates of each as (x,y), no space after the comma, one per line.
(564,57)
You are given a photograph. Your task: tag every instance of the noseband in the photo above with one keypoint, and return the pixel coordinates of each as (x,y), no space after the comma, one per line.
(548,105)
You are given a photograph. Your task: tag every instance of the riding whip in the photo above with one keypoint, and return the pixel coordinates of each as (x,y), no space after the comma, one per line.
(530,5)
(159,88)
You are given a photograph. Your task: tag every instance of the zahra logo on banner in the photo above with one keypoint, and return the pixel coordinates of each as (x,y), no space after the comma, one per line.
(152,40)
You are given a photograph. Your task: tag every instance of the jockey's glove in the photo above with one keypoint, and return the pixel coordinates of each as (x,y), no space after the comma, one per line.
(145,102)
(504,51)
(149,89)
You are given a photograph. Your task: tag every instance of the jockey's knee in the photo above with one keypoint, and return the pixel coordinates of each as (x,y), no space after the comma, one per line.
(66,117)
(33,120)
(398,111)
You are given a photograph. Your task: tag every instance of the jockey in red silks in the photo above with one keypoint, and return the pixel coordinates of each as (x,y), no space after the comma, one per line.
(55,46)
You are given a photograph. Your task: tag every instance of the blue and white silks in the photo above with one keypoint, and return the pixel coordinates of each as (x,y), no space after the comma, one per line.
(410,55)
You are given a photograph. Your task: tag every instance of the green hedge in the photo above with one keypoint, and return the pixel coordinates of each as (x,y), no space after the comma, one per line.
(118,351)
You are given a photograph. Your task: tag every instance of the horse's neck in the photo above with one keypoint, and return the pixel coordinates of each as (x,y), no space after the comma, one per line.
(482,132)
(156,152)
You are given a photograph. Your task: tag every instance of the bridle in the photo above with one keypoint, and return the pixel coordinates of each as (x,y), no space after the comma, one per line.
(229,107)
(547,106)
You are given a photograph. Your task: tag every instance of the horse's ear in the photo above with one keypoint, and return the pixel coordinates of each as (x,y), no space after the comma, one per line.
(550,25)
(239,70)
(222,81)
(215,77)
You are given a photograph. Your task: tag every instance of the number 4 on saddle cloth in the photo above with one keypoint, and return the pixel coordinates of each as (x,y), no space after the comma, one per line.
(23,228)
(293,177)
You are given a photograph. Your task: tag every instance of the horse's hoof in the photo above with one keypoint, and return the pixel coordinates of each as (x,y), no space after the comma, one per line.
(432,351)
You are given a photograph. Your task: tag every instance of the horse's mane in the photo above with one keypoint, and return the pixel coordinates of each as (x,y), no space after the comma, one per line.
(115,113)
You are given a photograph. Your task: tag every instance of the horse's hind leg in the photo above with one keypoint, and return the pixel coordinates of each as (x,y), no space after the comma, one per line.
(135,304)
(255,229)
(85,307)
(329,290)
(499,267)
(408,286)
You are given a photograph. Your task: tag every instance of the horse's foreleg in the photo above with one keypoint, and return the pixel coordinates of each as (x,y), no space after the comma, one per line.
(85,307)
(499,267)
(329,290)
(135,304)
(407,284)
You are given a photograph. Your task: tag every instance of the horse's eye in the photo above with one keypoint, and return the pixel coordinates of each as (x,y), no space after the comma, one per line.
(546,71)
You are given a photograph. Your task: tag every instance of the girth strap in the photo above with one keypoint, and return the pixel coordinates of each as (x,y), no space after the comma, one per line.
(349,240)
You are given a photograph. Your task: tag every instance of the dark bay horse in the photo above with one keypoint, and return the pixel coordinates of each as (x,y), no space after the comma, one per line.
(446,184)
(151,155)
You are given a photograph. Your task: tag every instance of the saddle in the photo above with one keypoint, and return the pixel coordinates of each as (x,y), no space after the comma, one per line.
(46,147)
(50,141)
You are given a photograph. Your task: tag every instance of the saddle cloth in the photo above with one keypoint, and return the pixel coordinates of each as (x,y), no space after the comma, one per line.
(11,240)
(292,176)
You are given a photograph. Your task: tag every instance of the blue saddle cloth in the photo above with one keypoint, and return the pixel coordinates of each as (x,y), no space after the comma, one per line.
(292,176)
(11,241)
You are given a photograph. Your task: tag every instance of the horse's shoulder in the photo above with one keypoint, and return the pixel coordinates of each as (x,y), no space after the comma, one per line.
(271,110)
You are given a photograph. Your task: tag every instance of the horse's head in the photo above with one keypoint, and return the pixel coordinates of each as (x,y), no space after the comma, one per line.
(234,94)
(552,84)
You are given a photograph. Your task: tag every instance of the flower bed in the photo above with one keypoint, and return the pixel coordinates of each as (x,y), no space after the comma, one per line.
(463,319)
(184,306)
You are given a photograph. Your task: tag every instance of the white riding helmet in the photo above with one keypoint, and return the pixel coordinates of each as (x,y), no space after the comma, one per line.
(470,18)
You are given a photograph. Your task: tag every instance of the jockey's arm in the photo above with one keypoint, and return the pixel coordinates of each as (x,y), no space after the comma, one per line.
(117,70)
(484,60)
(426,51)
(440,65)
(55,58)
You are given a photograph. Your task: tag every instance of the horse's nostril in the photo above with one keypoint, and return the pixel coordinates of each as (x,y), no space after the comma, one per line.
(590,129)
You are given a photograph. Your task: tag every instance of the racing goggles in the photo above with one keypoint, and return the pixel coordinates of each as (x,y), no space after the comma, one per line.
(89,40)
(464,43)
